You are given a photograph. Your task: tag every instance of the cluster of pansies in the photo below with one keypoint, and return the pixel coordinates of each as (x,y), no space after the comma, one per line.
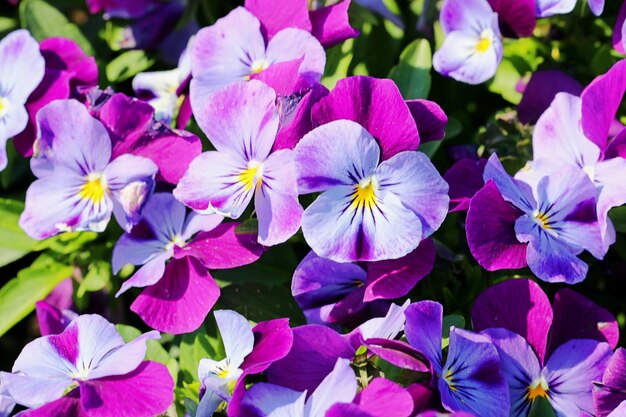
(242,146)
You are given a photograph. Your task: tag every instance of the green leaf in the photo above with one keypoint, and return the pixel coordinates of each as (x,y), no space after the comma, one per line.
(127,65)
(97,277)
(338,59)
(14,243)
(19,295)
(455,320)
(249,227)
(412,74)
(44,21)
(67,243)
(196,346)
(505,81)
(541,408)
(618,216)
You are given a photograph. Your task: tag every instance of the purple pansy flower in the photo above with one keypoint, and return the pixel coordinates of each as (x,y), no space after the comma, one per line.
(560,143)
(544,224)
(368,211)
(470,379)
(7,404)
(178,295)
(241,121)
(78,185)
(609,395)
(267,400)
(22,71)
(346,294)
(249,350)
(554,352)
(329,24)
(234,49)
(618,37)
(89,371)
(465,179)
(472,50)
(69,74)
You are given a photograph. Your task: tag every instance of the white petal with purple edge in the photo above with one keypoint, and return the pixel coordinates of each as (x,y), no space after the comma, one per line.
(340,386)
(290,44)
(236,334)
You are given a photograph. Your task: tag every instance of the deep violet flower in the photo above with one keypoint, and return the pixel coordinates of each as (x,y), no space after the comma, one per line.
(472,50)
(233,50)
(469,379)
(544,224)
(249,350)
(79,185)
(554,352)
(241,121)
(69,73)
(178,295)
(609,394)
(368,211)
(347,294)
(560,143)
(22,71)
(89,371)
(329,24)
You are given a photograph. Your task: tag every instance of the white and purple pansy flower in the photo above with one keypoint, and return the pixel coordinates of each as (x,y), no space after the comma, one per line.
(89,371)
(234,49)
(241,121)
(78,185)
(22,70)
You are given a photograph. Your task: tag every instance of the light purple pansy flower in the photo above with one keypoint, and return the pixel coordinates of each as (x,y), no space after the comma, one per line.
(331,292)
(544,224)
(7,404)
(249,350)
(241,121)
(609,394)
(22,70)
(560,143)
(267,400)
(90,362)
(547,8)
(78,185)
(175,251)
(554,352)
(470,379)
(234,49)
(328,23)
(472,50)
(368,211)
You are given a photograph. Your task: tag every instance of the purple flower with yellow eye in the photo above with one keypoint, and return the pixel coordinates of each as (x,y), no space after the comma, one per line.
(22,70)
(241,120)
(88,370)
(78,185)
(368,210)
(543,224)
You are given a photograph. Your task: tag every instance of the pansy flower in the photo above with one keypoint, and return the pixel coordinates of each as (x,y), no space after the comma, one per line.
(241,121)
(175,250)
(234,49)
(469,379)
(79,185)
(328,23)
(348,293)
(22,70)
(69,74)
(609,394)
(89,371)
(249,350)
(368,210)
(554,352)
(544,224)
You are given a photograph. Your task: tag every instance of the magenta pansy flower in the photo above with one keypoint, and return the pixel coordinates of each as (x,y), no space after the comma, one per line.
(241,121)
(89,371)
(234,49)
(22,71)
(554,352)
(175,250)
(609,393)
(79,185)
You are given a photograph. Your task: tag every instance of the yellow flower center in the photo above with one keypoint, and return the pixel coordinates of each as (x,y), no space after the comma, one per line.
(537,389)
(448,379)
(4,106)
(94,189)
(252,175)
(590,171)
(542,219)
(365,194)
(485,42)
(259,65)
